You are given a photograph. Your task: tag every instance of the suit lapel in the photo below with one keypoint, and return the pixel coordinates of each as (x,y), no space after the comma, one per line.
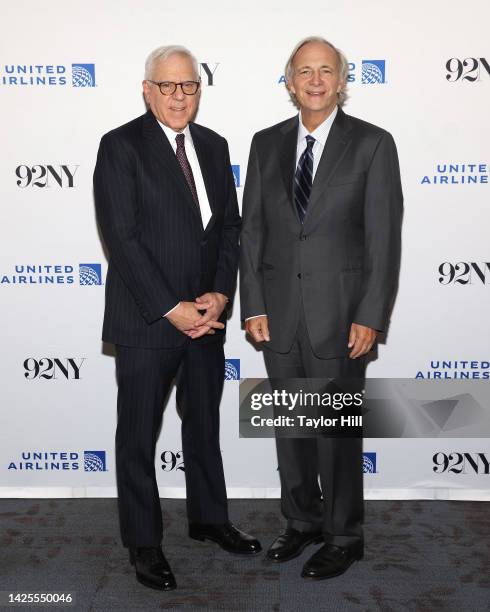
(337,143)
(205,158)
(287,146)
(160,147)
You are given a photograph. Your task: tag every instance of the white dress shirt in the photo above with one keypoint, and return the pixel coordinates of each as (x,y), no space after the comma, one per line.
(320,134)
(196,171)
(195,167)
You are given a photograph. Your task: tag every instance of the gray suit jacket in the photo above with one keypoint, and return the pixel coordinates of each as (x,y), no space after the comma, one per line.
(344,259)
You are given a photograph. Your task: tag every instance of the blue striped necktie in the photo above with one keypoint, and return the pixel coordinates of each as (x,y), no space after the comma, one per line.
(303,179)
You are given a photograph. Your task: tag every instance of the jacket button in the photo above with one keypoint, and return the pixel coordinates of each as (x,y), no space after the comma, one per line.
(303,237)
(299,274)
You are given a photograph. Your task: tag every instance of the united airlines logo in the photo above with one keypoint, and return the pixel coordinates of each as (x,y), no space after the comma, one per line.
(373,71)
(466,173)
(59,461)
(236,174)
(94,461)
(82,75)
(369,463)
(463,369)
(368,72)
(232,369)
(90,274)
(52,274)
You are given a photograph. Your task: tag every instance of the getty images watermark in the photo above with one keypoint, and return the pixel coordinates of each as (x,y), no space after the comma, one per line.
(298,407)
(371,407)
(306,403)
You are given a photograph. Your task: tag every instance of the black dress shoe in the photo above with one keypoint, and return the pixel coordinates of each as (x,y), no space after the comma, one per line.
(331,560)
(227,536)
(152,569)
(291,544)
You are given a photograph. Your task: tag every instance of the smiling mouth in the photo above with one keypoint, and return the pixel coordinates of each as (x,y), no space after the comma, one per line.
(315,93)
(178,109)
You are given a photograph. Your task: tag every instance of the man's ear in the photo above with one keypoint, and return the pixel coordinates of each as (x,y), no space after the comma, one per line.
(146,89)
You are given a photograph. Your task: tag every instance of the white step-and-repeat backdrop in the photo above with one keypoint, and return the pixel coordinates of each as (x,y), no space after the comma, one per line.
(71,71)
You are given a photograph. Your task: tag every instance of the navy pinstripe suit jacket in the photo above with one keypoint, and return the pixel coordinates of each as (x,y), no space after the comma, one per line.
(159,252)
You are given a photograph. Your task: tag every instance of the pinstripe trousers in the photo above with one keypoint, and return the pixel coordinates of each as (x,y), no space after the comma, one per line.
(144,379)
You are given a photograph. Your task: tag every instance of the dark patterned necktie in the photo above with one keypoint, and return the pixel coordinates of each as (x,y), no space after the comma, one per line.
(186,167)
(303,179)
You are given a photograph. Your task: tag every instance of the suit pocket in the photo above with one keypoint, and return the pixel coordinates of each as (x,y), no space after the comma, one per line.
(346,179)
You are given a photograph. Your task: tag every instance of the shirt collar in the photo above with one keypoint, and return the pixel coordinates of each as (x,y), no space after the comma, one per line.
(321,132)
(171,134)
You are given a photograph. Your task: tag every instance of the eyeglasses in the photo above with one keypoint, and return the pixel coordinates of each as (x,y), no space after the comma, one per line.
(167,88)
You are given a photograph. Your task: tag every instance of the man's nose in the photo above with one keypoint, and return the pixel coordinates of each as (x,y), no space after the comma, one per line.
(316,77)
(178,93)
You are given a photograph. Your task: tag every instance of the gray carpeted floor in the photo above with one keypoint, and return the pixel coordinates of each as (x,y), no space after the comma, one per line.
(420,555)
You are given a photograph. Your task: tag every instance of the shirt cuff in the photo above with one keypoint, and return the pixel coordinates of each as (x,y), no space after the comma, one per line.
(171,310)
(255,316)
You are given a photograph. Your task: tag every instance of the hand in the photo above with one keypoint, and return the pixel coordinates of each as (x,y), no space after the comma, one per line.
(184,316)
(213,303)
(361,339)
(258,328)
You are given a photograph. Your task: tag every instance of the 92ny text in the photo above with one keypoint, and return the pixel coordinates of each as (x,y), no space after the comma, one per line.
(51,368)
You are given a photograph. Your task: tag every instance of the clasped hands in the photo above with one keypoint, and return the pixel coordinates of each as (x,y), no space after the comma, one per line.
(187,318)
(361,338)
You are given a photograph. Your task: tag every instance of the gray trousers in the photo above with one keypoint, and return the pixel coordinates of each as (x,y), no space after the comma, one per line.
(321,477)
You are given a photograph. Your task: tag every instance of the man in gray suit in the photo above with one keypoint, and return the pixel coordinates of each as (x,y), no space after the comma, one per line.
(320,252)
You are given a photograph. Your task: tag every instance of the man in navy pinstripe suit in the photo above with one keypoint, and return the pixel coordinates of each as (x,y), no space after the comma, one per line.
(166,205)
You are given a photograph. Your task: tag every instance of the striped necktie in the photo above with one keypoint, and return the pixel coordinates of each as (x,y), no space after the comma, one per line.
(303,179)
(186,168)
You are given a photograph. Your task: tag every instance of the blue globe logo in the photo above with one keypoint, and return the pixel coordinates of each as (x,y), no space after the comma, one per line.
(93,463)
(88,276)
(371,74)
(367,465)
(231,373)
(81,77)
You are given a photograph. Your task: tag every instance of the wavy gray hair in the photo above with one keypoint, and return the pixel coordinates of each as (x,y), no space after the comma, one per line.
(343,66)
(162,53)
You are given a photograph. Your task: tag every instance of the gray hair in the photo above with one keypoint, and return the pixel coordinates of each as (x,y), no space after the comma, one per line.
(162,53)
(342,63)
